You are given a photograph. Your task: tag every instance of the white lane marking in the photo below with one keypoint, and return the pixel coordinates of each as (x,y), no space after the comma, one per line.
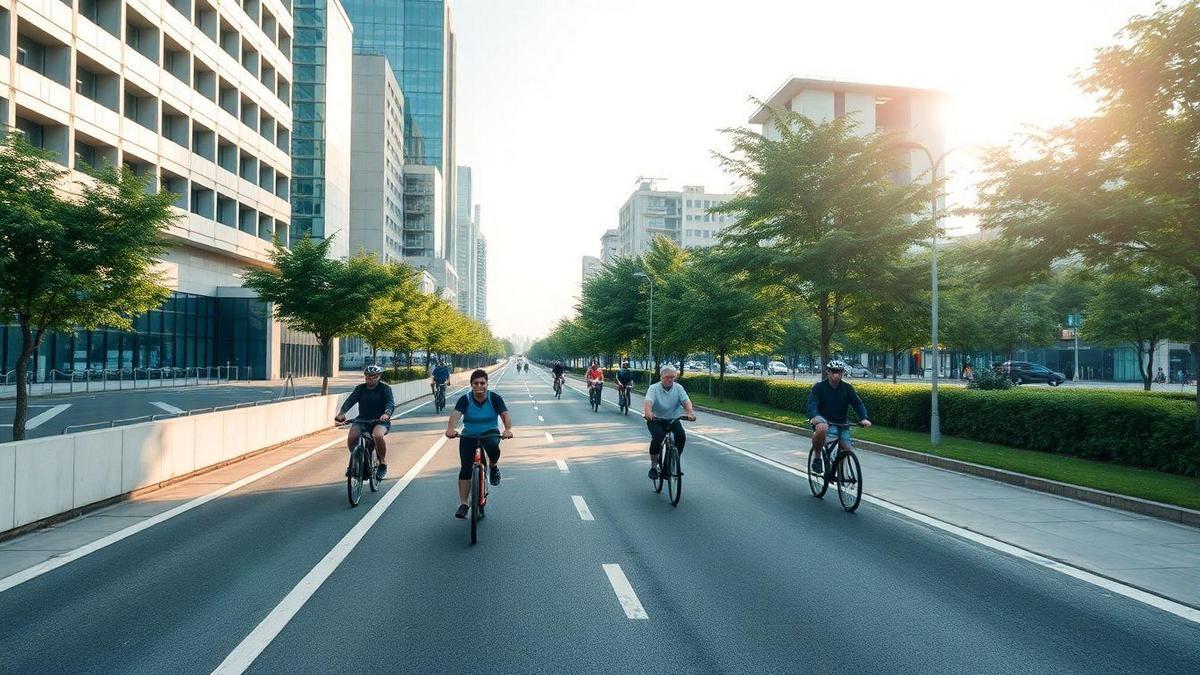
(1159,602)
(625,595)
(253,645)
(60,560)
(549,437)
(581,506)
(46,416)
(562,466)
(166,406)
(535,407)
(541,419)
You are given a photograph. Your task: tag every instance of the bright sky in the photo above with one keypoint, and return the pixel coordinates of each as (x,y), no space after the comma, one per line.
(562,104)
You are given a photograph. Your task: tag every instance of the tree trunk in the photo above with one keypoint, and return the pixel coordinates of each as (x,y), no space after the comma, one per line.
(326,362)
(826,336)
(22,405)
(1148,372)
(374,355)
(895,364)
(721,377)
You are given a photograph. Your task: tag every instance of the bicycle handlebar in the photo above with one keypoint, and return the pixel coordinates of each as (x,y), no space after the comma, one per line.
(672,420)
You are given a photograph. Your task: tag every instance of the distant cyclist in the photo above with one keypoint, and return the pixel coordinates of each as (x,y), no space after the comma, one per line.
(441,375)
(478,411)
(624,378)
(558,370)
(375,406)
(665,401)
(595,377)
(828,402)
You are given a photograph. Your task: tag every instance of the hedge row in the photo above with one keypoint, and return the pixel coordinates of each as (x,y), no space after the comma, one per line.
(404,374)
(1155,432)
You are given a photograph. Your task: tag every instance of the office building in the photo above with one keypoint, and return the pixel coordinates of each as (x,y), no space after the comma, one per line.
(322,109)
(481,273)
(196,97)
(377,161)
(466,232)
(680,216)
(609,246)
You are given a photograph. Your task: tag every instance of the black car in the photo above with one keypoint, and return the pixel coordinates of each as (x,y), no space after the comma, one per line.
(1024,372)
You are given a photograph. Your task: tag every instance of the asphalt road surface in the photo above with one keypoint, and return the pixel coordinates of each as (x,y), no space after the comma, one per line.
(580,567)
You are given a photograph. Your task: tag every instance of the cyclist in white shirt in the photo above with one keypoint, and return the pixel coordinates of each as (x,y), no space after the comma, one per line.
(666,401)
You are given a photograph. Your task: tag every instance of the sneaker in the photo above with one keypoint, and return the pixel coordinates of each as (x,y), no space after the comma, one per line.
(653,473)
(461,512)
(381,472)
(818,467)
(495,475)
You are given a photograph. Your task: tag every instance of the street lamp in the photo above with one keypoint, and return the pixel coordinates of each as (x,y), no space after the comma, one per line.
(651,340)
(935,424)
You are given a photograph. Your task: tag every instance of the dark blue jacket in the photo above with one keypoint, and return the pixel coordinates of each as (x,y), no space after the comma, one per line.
(832,402)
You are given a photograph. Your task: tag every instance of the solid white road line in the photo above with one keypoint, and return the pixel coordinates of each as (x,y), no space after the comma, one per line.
(1159,602)
(60,560)
(535,407)
(166,406)
(549,437)
(625,595)
(562,466)
(581,506)
(46,416)
(253,645)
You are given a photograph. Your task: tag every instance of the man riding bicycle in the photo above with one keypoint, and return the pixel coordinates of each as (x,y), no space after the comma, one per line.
(624,379)
(665,401)
(595,378)
(441,375)
(375,406)
(478,411)
(558,370)
(828,402)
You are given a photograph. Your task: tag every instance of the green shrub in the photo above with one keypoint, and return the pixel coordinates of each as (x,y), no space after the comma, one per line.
(403,374)
(987,379)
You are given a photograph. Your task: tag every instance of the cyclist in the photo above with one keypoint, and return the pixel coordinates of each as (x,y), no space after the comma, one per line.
(595,378)
(828,402)
(441,375)
(665,400)
(558,370)
(624,379)
(375,406)
(478,410)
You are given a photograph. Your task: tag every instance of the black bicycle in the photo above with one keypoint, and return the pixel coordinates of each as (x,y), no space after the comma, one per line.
(478,489)
(671,470)
(558,387)
(841,468)
(623,398)
(439,396)
(363,462)
(594,393)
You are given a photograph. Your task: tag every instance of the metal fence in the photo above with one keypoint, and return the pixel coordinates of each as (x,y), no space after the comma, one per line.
(108,424)
(87,380)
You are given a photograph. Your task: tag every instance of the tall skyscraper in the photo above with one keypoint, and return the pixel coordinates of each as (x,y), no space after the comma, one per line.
(466,232)
(377,161)
(417,36)
(480,277)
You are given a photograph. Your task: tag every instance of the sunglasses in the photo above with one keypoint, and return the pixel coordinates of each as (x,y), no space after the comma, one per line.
(479,383)
(372,375)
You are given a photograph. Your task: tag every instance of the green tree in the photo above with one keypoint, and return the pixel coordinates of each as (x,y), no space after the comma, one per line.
(800,335)
(1121,183)
(896,318)
(319,295)
(664,263)
(86,262)
(391,313)
(822,195)
(1139,309)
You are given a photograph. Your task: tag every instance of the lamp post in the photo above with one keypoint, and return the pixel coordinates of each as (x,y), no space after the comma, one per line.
(651,340)
(935,424)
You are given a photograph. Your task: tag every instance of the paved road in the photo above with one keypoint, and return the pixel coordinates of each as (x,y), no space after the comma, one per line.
(748,574)
(58,412)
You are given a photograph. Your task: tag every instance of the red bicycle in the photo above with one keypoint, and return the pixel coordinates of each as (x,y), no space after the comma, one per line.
(478,488)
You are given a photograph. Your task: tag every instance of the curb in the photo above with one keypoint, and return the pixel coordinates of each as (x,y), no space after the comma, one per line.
(1146,507)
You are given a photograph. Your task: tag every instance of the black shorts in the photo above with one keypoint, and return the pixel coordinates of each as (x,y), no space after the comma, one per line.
(466,451)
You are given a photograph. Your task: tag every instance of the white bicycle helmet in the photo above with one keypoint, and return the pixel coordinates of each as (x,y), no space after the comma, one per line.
(836,364)
(373,370)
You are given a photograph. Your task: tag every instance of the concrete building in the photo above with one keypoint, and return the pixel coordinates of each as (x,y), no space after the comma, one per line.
(481,272)
(591,267)
(609,246)
(377,161)
(680,216)
(466,233)
(320,156)
(195,96)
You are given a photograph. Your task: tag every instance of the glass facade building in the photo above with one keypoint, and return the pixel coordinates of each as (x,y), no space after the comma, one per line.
(413,35)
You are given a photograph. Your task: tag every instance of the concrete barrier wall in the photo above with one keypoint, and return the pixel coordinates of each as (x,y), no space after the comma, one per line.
(45,477)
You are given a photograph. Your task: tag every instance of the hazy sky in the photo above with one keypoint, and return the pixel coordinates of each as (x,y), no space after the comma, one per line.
(562,104)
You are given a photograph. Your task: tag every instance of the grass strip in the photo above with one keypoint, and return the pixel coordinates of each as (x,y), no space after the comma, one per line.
(1123,480)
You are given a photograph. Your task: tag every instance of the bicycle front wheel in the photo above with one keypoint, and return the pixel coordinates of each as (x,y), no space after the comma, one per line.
(816,482)
(372,467)
(474,497)
(849,481)
(675,476)
(354,480)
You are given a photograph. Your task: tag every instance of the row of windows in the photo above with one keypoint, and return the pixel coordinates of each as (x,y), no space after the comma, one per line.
(699,234)
(703,203)
(706,218)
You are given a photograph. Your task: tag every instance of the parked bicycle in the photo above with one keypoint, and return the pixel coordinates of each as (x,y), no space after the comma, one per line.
(841,468)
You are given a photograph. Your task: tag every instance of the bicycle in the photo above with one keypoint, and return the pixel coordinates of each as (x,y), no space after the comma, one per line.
(842,468)
(594,395)
(439,396)
(363,462)
(558,387)
(478,491)
(623,398)
(671,470)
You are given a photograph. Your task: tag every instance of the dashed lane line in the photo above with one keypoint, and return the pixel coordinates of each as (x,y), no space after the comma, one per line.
(581,506)
(562,466)
(625,594)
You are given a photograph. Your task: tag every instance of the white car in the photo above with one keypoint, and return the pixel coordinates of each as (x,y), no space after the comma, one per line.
(777,368)
(731,368)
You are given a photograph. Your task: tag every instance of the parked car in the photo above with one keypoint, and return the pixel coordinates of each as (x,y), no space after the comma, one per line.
(731,368)
(856,369)
(777,368)
(1024,372)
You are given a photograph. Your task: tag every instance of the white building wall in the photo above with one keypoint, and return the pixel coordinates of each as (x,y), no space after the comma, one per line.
(862,106)
(377,160)
(339,68)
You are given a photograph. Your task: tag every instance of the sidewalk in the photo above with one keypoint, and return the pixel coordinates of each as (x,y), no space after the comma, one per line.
(1153,555)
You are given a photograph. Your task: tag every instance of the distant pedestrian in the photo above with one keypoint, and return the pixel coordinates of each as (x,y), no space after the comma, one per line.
(1160,377)
(968,373)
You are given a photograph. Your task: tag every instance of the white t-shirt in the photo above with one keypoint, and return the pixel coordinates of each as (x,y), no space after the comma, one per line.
(666,403)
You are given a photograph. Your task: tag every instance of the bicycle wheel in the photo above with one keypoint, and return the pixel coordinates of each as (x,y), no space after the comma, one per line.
(675,476)
(473,501)
(355,480)
(849,481)
(662,471)
(372,467)
(816,482)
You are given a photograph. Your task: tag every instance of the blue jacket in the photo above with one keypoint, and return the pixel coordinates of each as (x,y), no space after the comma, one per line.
(832,403)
